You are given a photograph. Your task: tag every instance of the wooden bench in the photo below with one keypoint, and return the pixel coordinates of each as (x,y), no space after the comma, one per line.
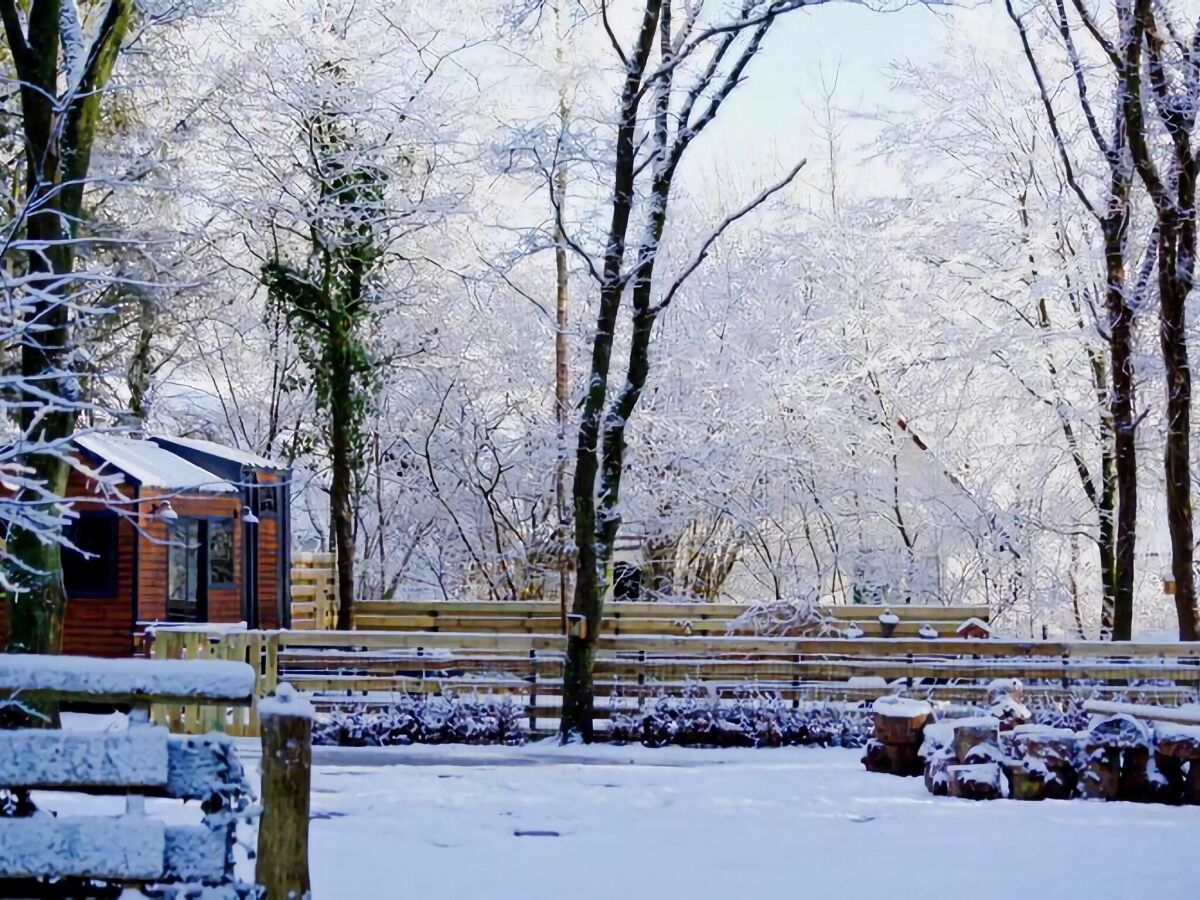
(133,849)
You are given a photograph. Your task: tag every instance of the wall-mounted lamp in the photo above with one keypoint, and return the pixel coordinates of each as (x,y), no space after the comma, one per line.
(248,516)
(166,512)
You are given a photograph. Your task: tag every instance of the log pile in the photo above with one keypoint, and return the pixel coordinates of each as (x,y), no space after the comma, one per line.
(1117,757)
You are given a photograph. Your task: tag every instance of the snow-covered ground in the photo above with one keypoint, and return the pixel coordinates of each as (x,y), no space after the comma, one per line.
(696,824)
(609,822)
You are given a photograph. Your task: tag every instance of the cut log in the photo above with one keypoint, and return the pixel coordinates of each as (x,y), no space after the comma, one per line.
(875,758)
(970,732)
(904,759)
(1100,778)
(977,782)
(899,720)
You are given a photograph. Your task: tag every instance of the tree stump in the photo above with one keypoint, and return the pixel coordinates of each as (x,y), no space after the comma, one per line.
(899,732)
(1043,766)
(286,724)
(1100,777)
(975,782)
(1177,754)
(875,758)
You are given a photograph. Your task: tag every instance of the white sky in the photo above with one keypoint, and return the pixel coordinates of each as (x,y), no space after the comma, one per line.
(776,117)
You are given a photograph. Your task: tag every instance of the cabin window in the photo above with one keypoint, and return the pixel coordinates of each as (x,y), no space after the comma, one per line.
(267,501)
(220,552)
(91,569)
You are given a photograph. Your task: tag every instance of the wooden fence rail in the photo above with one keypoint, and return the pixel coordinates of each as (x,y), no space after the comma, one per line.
(372,668)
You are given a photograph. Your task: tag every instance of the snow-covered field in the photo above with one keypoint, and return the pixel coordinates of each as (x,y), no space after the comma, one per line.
(609,822)
(697,824)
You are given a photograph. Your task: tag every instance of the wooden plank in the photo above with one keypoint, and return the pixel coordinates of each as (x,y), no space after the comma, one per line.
(83,679)
(1143,711)
(37,758)
(131,848)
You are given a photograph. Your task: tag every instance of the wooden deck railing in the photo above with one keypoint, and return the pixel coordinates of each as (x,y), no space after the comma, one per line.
(373,667)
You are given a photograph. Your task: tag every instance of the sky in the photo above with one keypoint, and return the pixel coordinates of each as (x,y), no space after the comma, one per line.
(776,117)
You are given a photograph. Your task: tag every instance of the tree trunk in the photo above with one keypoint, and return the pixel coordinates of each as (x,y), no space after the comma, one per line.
(1176,458)
(562,382)
(1117,617)
(591,568)
(58,135)
(341,515)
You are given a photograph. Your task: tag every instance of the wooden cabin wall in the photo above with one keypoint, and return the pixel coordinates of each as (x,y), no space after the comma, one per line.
(98,626)
(224,604)
(268,557)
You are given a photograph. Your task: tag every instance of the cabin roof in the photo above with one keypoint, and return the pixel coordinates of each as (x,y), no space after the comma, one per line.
(229,454)
(150,465)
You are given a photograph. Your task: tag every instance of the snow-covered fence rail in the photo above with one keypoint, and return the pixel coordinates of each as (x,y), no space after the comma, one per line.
(643,618)
(373,667)
(142,761)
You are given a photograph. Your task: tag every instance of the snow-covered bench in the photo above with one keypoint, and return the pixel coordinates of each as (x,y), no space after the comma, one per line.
(141,761)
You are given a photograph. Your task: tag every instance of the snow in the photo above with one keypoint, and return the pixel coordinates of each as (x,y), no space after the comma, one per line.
(136,756)
(150,465)
(130,848)
(285,702)
(232,454)
(901,706)
(887,617)
(465,822)
(973,621)
(208,678)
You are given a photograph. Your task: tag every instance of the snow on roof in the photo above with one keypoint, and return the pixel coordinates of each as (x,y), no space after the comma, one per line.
(151,465)
(232,454)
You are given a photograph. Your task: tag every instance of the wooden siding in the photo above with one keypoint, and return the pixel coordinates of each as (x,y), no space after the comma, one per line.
(268,558)
(224,603)
(98,626)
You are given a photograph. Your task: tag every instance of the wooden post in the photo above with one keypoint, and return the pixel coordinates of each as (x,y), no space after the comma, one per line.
(286,723)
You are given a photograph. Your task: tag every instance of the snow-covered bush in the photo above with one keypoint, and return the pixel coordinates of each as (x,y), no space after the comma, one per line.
(784,618)
(752,719)
(422,719)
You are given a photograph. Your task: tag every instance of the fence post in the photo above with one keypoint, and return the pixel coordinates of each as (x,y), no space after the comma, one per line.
(533,689)
(282,865)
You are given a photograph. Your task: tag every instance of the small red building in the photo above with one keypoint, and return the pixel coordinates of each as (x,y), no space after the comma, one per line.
(172,530)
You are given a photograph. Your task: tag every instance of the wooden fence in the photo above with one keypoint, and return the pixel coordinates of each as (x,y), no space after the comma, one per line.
(314,591)
(682,619)
(371,668)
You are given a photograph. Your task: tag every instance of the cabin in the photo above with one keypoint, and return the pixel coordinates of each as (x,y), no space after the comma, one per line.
(172,530)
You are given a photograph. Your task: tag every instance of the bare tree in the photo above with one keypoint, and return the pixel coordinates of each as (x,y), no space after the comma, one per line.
(1153,47)
(1112,213)
(700,61)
